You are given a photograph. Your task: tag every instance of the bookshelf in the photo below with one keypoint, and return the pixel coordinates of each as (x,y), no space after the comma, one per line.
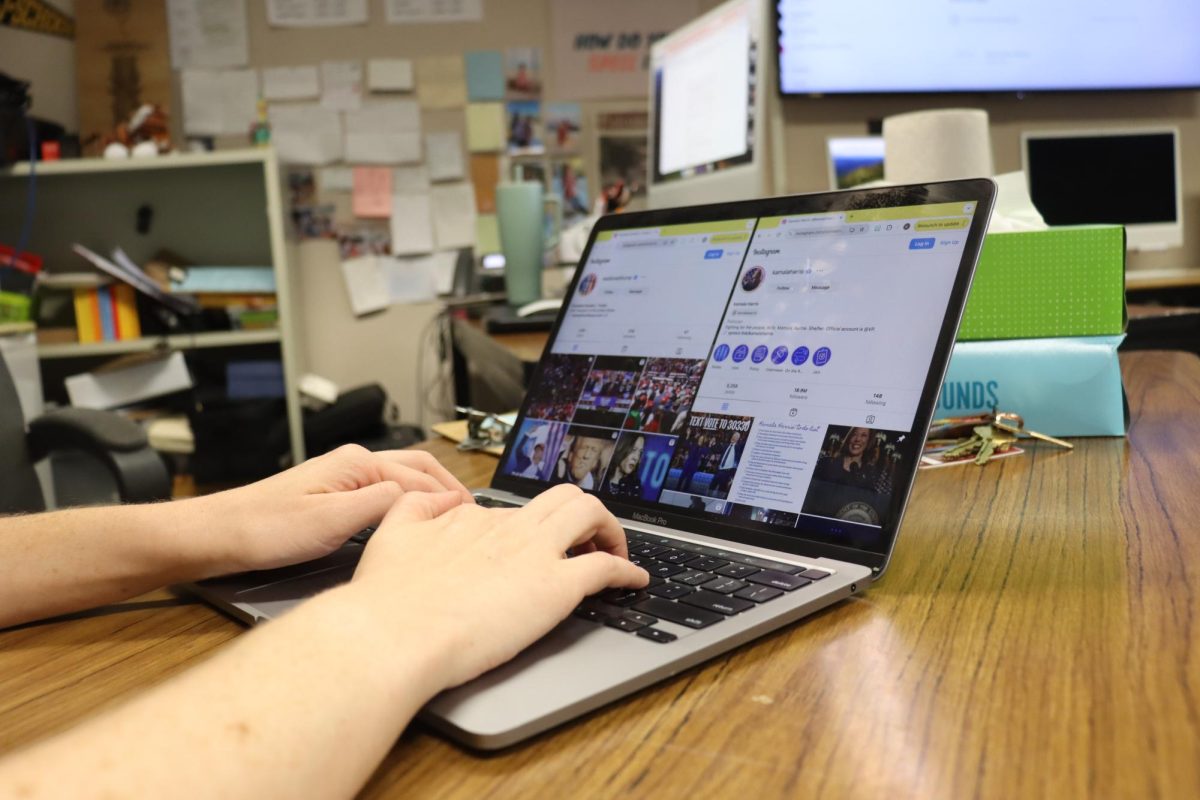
(210,208)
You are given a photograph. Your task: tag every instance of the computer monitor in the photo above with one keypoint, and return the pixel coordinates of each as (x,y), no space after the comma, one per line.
(707,118)
(1125,177)
(854,160)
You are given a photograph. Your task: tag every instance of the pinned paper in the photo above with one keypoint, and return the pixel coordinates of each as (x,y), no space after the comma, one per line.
(399,12)
(315,13)
(336,179)
(412,224)
(217,102)
(441,82)
(366,284)
(444,154)
(373,192)
(290,83)
(389,75)
(487,234)
(485,127)
(207,33)
(410,180)
(386,132)
(341,84)
(485,75)
(411,280)
(485,174)
(453,215)
(306,133)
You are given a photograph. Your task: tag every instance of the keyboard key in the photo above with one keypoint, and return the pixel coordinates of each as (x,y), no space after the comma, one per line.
(724,585)
(710,601)
(624,624)
(665,555)
(678,557)
(693,577)
(815,574)
(644,619)
(761,563)
(780,580)
(708,564)
(622,597)
(759,594)
(656,635)
(648,550)
(663,570)
(737,570)
(678,613)
(590,614)
(655,581)
(671,591)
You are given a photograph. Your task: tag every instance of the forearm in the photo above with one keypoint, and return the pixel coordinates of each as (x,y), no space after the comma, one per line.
(305,706)
(69,560)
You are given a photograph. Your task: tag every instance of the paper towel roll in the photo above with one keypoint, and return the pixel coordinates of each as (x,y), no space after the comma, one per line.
(937,145)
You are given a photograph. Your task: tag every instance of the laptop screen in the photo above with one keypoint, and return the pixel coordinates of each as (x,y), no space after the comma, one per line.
(764,371)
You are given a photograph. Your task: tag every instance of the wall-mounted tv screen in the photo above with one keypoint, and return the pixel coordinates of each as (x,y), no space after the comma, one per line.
(922,46)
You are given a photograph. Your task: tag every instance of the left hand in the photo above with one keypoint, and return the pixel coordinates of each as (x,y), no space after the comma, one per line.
(311,509)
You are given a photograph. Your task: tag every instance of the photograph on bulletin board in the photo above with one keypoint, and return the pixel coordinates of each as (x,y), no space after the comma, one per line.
(570,182)
(529,170)
(623,162)
(523,73)
(564,122)
(525,128)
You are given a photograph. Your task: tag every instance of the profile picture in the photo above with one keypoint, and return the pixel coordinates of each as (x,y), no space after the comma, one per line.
(587,284)
(752,278)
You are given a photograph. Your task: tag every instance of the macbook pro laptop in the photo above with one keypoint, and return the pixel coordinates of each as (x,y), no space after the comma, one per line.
(747,386)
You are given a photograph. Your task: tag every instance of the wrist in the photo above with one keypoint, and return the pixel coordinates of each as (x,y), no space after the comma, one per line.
(204,534)
(405,656)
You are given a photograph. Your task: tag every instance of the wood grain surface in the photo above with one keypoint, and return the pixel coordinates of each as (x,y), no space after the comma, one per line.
(1036,635)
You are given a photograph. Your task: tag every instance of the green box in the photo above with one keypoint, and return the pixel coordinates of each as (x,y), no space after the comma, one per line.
(1066,281)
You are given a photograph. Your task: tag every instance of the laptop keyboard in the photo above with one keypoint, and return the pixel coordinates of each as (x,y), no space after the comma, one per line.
(690,585)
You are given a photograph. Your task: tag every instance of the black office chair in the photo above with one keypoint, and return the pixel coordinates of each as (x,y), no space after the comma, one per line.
(117,443)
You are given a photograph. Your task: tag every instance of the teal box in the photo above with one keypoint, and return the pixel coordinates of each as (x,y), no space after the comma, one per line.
(1062,387)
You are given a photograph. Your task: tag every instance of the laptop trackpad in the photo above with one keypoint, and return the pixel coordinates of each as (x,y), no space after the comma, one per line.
(301,581)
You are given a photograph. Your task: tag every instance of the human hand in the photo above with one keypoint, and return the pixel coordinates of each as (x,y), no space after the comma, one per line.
(311,509)
(482,584)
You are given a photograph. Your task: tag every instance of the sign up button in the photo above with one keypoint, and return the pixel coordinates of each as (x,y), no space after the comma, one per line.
(921,244)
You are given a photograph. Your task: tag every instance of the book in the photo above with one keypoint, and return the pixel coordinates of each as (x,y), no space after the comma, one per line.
(125,307)
(104,304)
(87,321)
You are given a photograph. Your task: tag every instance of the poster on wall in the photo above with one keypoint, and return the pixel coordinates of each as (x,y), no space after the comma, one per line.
(602,48)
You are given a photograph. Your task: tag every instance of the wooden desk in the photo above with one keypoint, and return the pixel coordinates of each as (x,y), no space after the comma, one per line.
(1037,635)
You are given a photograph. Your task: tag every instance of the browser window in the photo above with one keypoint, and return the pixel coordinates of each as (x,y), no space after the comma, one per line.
(763,369)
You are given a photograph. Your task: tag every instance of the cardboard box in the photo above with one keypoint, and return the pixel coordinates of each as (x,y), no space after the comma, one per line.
(1066,281)
(1062,387)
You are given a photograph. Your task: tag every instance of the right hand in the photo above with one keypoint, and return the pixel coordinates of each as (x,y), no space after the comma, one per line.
(486,583)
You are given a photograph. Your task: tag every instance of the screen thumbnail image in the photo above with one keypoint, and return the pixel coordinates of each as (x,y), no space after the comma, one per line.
(767,516)
(608,391)
(854,475)
(709,454)
(536,447)
(558,387)
(639,466)
(584,456)
(664,395)
(694,502)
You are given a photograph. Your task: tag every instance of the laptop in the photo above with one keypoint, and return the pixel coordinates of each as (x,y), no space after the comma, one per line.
(747,386)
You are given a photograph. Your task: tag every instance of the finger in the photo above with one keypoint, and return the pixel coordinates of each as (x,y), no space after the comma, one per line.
(348,512)
(583,518)
(542,506)
(425,462)
(411,480)
(420,507)
(596,571)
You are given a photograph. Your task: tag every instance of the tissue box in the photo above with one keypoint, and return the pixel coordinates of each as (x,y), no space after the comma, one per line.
(1066,281)
(1062,387)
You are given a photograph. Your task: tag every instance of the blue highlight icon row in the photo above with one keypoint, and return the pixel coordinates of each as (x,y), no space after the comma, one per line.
(799,356)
